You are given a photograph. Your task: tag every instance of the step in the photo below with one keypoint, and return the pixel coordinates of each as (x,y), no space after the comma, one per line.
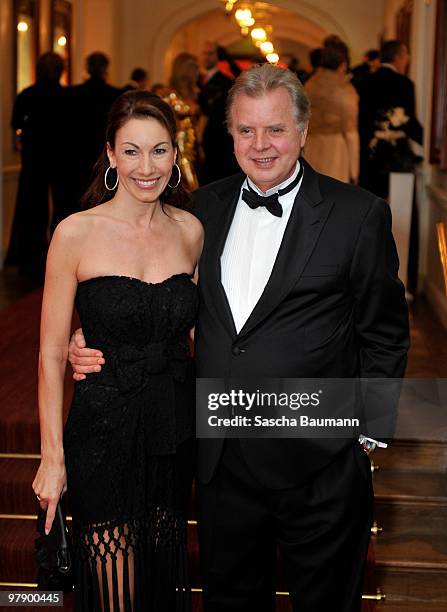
(413,455)
(409,606)
(17,563)
(412,567)
(16,493)
(410,502)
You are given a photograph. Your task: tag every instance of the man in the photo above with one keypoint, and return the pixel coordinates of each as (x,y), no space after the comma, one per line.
(293,64)
(387,89)
(139,79)
(39,116)
(90,102)
(219,161)
(361,73)
(300,284)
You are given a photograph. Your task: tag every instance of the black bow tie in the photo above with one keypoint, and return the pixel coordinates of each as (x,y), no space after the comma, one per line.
(271,202)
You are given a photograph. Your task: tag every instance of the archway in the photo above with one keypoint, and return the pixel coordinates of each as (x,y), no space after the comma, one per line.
(187,28)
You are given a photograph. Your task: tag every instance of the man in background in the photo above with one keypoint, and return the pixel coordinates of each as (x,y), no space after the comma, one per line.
(370,65)
(90,102)
(387,102)
(139,79)
(217,143)
(39,117)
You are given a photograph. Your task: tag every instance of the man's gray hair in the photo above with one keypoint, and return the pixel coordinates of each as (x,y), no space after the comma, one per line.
(263,78)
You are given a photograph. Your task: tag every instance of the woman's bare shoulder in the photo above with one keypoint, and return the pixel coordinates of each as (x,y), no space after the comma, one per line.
(79,224)
(190,224)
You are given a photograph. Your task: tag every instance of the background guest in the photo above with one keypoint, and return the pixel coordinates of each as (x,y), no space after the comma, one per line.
(139,79)
(90,104)
(315,60)
(219,160)
(293,64)
(39,117)
(182,95)
(370,64)
(387,105)
(332,145)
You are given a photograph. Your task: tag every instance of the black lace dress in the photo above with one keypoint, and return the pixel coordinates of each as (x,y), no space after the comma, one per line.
(129,445)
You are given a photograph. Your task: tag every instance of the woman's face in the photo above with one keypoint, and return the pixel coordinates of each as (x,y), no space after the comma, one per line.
(143,156)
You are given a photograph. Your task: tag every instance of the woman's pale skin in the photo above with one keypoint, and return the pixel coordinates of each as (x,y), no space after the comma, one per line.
(128,236)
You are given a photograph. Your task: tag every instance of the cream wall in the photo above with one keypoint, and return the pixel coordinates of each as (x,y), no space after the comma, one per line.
(431,182)
(99,28)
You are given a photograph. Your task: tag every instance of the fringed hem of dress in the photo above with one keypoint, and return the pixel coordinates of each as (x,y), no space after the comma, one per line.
(133,565)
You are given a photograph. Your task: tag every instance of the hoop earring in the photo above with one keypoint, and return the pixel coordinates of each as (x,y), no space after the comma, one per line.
(117,179)
(179,177)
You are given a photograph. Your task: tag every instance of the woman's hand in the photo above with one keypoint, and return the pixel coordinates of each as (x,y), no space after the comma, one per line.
(49,485)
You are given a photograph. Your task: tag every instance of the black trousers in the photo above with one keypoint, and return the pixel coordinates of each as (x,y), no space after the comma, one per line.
(322,531)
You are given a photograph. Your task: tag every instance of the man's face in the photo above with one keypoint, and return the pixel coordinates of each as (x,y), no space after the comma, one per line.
(374,64)
(267,140)
(209,56)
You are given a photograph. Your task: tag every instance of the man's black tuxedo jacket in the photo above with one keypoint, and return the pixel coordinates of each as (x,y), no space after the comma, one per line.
(333,307)
(382,91)
(217,142)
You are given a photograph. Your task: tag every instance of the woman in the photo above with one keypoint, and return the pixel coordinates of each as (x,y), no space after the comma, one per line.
(126,455)
(182,96)
(332,145)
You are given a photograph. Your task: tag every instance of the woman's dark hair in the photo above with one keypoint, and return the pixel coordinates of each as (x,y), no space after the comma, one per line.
(335,42)
(134,105)
(332,58)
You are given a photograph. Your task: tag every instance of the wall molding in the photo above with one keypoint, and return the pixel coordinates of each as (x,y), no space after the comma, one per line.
(438,196)
(437,300)
(11,171)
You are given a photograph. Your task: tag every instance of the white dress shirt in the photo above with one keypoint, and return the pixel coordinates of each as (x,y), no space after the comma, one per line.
(251,248)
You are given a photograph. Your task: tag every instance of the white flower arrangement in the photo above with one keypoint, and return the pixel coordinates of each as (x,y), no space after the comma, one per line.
(394,118)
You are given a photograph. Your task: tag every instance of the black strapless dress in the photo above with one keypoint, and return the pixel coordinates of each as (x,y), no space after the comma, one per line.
(129,445)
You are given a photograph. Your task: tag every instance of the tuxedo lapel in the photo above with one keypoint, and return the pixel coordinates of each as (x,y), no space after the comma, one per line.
(303,229)
(216,235)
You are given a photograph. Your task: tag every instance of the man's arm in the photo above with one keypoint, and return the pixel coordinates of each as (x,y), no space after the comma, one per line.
(381,317)
(381,312)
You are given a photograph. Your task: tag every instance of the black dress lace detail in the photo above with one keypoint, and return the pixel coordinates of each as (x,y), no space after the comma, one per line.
(129,445)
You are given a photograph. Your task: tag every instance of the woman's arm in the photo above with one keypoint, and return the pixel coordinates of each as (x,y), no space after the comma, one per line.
(57,308)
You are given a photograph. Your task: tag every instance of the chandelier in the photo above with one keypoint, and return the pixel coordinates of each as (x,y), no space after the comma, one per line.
(252,19)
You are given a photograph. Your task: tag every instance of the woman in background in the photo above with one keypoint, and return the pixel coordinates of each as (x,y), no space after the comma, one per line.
(332,145)
(183,97)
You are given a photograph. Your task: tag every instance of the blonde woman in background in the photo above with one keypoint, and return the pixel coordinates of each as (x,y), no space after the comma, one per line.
(332,145)
(182,96)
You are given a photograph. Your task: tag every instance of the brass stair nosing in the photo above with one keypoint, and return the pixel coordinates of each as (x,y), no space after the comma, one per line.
(33,517)
(376,597)
(19,456)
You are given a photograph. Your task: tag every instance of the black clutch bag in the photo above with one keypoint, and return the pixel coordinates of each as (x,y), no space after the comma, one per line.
(54,553)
